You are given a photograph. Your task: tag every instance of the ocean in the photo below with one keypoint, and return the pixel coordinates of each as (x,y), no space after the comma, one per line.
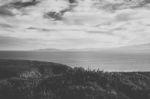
(89,60)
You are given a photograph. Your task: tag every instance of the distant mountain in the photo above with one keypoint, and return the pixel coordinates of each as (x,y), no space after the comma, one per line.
(141,48)
(49,50)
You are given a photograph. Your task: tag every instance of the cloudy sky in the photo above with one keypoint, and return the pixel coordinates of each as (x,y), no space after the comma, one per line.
(73,24)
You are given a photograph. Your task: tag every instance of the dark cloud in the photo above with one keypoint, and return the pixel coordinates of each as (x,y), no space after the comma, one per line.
(59,15)
(39,29)
(53,15)
(133,4)
(21,4)
(140,3)
(100,32)
(4,11)
(4,25)
(147,1)
(72,1)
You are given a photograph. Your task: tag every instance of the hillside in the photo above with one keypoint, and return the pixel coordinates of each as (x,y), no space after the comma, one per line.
(13,68)
(23,79)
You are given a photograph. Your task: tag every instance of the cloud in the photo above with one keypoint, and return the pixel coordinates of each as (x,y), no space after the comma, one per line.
(14,43)
(22,4)
(39,29)
(4,11)
(72,1)
(53,15)
(71,24)
(4,25)
(9,43)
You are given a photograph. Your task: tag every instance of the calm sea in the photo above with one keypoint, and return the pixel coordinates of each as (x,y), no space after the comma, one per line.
(92,60)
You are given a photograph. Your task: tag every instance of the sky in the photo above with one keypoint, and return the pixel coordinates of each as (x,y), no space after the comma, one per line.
(73,24)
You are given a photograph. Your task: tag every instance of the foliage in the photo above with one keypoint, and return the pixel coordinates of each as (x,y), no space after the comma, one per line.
(62,82)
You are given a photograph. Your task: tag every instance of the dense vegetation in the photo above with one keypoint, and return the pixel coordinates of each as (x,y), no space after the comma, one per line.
(45,80)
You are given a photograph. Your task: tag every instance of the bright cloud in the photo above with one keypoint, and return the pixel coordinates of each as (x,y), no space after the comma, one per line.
(78,25)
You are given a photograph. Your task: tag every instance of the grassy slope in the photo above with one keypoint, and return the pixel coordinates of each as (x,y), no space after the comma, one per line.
(11,68)
(22,79)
